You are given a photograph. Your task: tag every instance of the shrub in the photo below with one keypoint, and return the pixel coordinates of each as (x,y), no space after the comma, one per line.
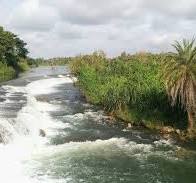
(6,73)
(130,83)
(23,66)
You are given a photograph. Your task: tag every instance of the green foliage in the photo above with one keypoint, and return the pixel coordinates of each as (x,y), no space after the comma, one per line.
(129,84)
(116,94)
(23,65)
(6,73)
(180,74)
(31,62)
(91,84)
(180,77)
(97,60)
(12,50)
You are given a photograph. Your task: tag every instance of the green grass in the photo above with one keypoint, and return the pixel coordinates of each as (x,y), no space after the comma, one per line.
(6,73)
(129,87)
(23,66)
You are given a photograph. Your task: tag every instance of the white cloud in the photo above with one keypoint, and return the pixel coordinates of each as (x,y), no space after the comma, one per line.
(29,15)
(67,27)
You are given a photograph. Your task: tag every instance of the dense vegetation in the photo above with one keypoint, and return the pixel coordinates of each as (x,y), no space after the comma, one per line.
(131,87)
(13,55)
(180,78)
(6,72)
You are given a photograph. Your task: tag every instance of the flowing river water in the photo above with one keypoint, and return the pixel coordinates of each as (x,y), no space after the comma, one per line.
(49,134)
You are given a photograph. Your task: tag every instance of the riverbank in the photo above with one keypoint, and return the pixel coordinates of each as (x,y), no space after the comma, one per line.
(130,88)
(8,73)
(166,132)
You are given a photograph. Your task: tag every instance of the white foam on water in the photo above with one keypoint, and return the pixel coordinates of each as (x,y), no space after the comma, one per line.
(23,136)
(46,86)
(101,148)
(7,130)
(163,142)
(74,79)
(13,89)
(97,116)
(35,115)
(98,147)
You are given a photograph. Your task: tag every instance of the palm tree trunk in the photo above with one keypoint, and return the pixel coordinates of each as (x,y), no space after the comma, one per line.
(190,120)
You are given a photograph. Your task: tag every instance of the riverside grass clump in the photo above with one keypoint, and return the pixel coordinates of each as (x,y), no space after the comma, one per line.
(6,73)
(129,87)
(23,65)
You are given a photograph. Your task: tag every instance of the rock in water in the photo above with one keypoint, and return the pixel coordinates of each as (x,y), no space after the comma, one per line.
(178,131)
(42,133)
(167,129)
(129,125)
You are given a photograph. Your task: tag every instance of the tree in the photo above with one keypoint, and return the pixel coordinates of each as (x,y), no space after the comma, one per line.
(12,48)
(180,78)
(20,49)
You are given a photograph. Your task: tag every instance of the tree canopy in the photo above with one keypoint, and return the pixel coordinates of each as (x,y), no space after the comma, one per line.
(12,48)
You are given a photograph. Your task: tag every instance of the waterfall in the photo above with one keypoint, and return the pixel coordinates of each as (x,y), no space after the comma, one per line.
(20,134)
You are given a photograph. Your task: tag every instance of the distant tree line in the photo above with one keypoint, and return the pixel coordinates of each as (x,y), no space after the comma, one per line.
(52,61)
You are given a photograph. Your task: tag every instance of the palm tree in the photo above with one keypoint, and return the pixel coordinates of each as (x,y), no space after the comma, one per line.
(180,78)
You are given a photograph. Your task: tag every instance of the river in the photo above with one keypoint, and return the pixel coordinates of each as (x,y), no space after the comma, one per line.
(51,135)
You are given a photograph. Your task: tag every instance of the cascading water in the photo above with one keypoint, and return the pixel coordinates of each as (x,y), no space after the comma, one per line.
(20,135)
(50,135)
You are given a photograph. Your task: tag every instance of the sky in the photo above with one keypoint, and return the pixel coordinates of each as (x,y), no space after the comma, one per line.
(55,28)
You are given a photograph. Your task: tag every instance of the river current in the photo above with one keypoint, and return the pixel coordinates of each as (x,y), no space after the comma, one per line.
(49,134)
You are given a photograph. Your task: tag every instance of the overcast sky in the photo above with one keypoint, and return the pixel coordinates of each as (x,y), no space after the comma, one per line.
(69,27)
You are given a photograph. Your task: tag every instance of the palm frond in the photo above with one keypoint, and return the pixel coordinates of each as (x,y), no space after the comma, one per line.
(180,74)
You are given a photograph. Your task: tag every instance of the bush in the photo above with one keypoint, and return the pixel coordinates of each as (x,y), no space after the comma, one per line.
(129,83)
(6,73)
(23,66)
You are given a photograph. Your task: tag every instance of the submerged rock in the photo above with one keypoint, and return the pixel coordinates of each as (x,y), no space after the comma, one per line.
(178,131)
(42,133)
(167,129)
(129,125)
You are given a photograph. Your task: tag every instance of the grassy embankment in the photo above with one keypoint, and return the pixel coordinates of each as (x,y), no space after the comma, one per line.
(8,72)
(128,87)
